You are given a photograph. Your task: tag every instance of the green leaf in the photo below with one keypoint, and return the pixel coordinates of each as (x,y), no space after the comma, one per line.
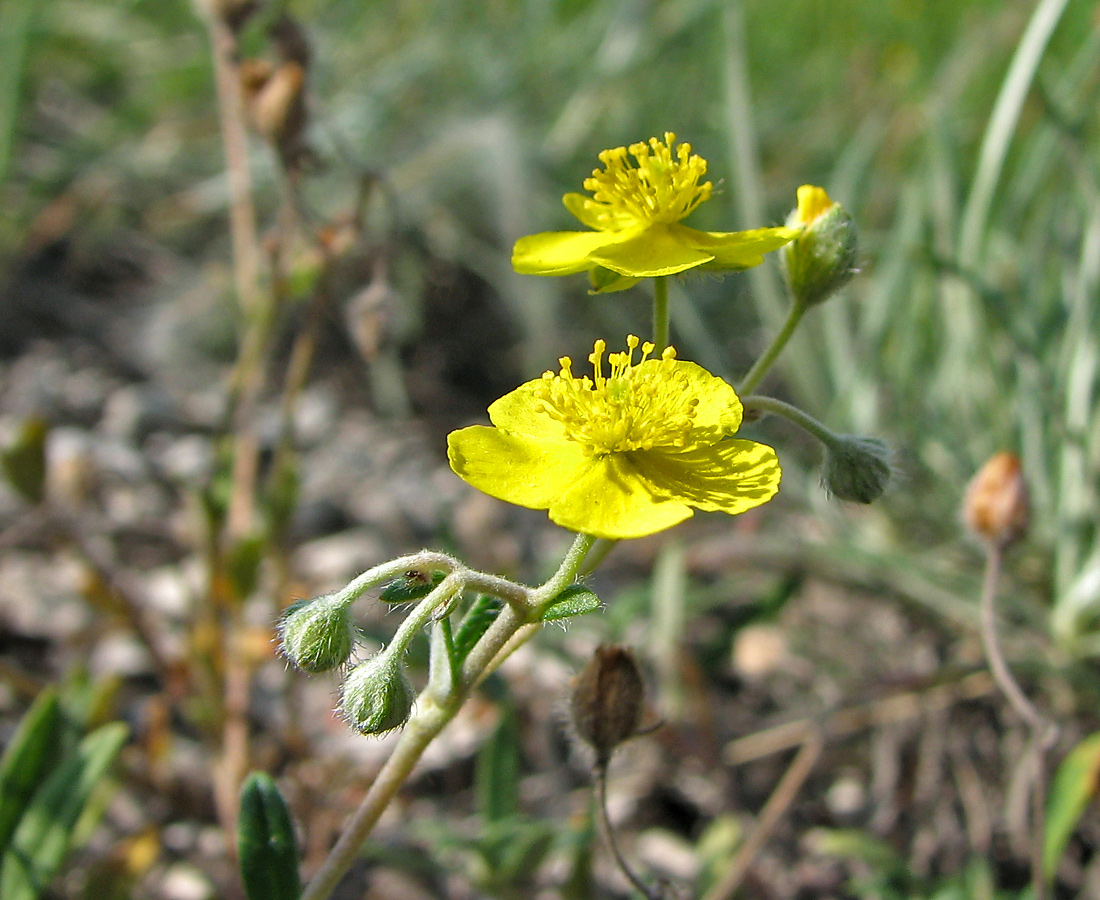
(265,842)
(24,461)
(1074,785)
(497,779)
(45,833)
(29,757)
(409,588)
(475,623)
(575,600)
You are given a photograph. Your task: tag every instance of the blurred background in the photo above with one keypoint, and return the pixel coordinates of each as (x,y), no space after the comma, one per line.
(222,427)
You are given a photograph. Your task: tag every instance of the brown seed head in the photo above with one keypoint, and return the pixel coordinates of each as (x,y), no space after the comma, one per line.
(608,700)
(996,507)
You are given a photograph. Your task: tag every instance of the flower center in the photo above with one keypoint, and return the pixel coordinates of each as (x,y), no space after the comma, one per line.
(662,188)
(638,406)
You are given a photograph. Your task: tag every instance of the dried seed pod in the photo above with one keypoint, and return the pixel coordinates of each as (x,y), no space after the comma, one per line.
(608,700)
(996,508)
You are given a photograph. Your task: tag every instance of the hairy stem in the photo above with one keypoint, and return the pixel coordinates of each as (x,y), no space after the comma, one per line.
(760,367)
(1043,733)
(760,403)
(433,713)
(605,819)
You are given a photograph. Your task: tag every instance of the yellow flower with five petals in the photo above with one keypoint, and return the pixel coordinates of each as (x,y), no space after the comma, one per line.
(623,454)
(635,212)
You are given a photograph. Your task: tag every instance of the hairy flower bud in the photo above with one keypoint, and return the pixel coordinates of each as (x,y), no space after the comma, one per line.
(857,469)
(996,508)
(377,695)
(608,700)
(822,258)
(317,635)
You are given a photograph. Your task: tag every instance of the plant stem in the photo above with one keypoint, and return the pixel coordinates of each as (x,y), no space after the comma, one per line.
(792,413)
(1043,733)
(601,802)
(760,367)
(434,713)
(660,313)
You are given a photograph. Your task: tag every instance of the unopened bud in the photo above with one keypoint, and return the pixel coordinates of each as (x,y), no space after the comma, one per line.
(608,700)
(822,258)
(996,508)
(317,635)
(857,469)
(377,695)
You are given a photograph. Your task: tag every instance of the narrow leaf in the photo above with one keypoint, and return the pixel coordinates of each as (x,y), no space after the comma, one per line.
(475,623)
(1075,784)
(45,833)
(575,600)
(27,760)
(265,842)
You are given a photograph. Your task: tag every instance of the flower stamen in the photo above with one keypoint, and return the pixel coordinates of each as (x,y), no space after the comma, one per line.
(663,187)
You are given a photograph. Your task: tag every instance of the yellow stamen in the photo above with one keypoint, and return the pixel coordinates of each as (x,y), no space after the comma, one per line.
(662,188)
(638,406)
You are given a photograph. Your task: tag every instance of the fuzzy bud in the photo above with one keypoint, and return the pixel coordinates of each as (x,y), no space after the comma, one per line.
(996,508)
(317,635)
(608,700)
(377,696)
(857,469)
(821,260)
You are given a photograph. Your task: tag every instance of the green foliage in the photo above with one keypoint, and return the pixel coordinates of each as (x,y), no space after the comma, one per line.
(475,623)
(29,757)
(266,843)
(1073,789)
(46,829)
(575,600)
(24,461)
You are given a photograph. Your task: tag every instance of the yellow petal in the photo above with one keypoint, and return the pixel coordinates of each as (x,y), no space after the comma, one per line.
(812,202)
(731,476)
(586,209)
(612,501)
(718,411)
(735,250)
(521,471)
(556,252)
(523,413)
(652,251)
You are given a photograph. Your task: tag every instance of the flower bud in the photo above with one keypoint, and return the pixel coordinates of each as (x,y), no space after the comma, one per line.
(608,700)
(996,508)
(377,695)
(317,635)
(822,258)
(857,469)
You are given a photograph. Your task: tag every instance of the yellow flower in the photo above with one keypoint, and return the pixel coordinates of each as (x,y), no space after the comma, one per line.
(635,211)
(622,454)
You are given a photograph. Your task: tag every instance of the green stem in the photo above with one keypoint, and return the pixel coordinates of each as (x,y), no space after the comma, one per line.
(758,402)
(760,367)
(432,713)
(660,313)
(567,571)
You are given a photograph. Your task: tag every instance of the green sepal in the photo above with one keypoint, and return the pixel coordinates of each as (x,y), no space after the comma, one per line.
(409,588)
(24,462)
(575,600)
(266,843)
(29,757)
(475,623)
(45,832)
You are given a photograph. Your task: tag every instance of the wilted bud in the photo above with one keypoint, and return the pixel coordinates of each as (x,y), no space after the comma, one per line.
(317,635)
(278,106)
(996,508)
(608,700)
(377,695)
(822,258)
(857,469)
